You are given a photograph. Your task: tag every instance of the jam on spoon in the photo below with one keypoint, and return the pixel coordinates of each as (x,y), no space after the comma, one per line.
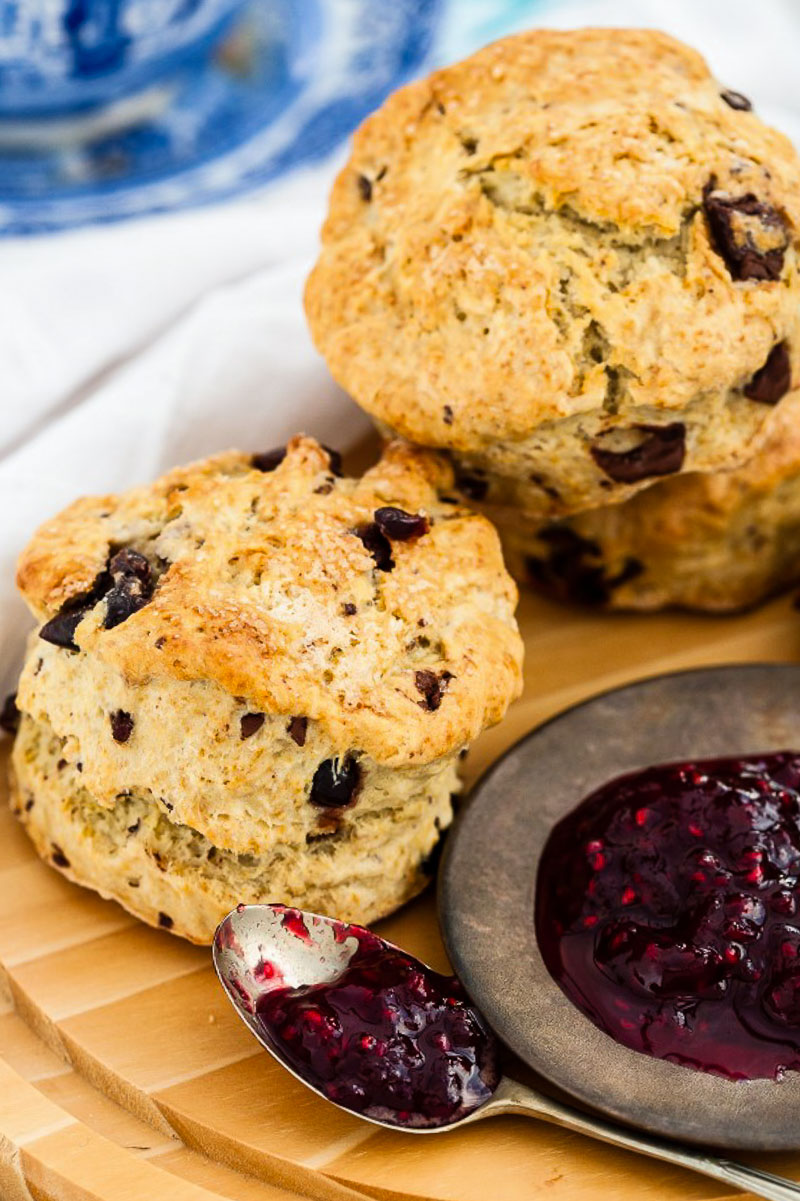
(668,910)
(384,1035)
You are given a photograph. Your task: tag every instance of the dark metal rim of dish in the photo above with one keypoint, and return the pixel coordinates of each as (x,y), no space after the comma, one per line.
(487,883)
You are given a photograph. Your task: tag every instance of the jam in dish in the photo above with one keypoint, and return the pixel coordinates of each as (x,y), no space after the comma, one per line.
(388,1038)
(668,910)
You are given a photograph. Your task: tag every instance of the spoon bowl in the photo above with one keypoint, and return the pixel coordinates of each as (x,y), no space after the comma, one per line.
(357,1019)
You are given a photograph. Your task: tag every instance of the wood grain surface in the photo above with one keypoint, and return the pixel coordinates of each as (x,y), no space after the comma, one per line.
(126,1076)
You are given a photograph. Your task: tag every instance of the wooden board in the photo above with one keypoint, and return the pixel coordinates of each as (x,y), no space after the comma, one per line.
(125,1075)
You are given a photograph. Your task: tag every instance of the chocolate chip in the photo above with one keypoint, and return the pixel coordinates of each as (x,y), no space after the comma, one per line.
(349,609)
(733,222)
(9,714)
(377,544)
(297,730)
(365,188)
(472,485)
(132,588)
(249,723)
(121,725)
(661,452)
(400,526)
(431,686)
(134,829)
(57,855)
(736,100)
(336,783)
(61,764)
(334,459)
(128,562)
(29,804)
(574,569)
(268,460)
(60,630)
(447,415)
(165,920)
(773,380)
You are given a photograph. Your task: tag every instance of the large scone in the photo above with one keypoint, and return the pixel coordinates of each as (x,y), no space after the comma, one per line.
(572,260)
(253,681)
(716,542)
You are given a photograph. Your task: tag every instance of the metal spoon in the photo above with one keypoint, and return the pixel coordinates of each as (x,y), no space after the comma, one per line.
(256,950)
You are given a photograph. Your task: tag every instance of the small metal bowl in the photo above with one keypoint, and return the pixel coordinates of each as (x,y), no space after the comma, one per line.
(487,889)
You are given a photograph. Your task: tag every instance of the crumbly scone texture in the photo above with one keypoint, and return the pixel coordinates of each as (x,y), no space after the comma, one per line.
(292,687)
(717,542)
(170,875)
(569,236)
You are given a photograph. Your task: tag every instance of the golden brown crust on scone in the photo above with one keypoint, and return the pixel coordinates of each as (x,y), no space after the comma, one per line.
(258,570)
(716,542)
(549,245)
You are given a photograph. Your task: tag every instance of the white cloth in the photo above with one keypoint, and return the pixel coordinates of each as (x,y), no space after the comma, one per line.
(127,348)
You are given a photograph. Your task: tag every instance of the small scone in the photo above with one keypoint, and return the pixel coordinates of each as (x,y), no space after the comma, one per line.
(572,260)
(252,681)
(717,542)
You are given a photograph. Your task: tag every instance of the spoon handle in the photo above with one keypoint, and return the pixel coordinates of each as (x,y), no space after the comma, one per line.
(513,1097)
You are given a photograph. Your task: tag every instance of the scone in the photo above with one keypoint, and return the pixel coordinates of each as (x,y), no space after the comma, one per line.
(716,542)
(252,681)
(571,260)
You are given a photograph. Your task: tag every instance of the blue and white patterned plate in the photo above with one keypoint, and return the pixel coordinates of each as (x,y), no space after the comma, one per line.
(290,82)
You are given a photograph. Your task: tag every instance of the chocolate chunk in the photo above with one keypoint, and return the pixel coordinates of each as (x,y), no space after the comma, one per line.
(431,686)
(297,730)
(773,380)
(336,783)
(349,609)
(377,544)
(9,714)
(57,855)
(472,484)
(661,452)
(121,725)
(365,188)
(268,460)
(60,630)
(574,569)
(335,460)
(400,526)
(165,920)
(735,223)
(249,723)
(736,100)
(128,562)
(447,414)
(132,587)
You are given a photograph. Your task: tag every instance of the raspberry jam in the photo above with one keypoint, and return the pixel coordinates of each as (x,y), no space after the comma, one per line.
(388,1037)
(668,911)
